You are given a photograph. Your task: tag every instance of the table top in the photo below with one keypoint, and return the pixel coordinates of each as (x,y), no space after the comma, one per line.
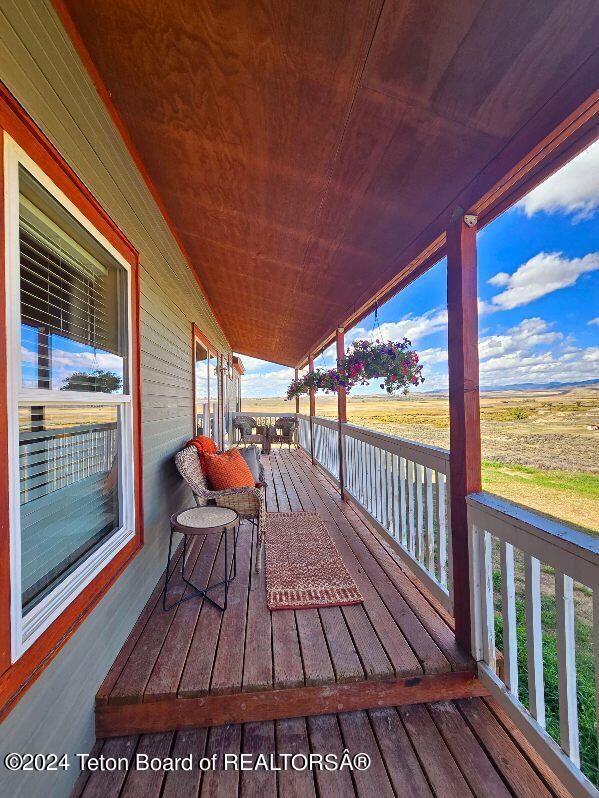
(204,519)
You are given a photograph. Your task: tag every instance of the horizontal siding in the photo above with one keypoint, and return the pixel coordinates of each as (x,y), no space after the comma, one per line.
(40,67)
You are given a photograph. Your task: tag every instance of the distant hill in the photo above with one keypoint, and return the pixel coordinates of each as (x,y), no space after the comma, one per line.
(522,386)
(545,386)
(516,386)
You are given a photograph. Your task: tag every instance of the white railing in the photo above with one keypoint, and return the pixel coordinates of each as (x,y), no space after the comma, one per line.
(404,488)
(262,420)
(55,458)
(534,581)
(303,432)
(326,445)
(401,486)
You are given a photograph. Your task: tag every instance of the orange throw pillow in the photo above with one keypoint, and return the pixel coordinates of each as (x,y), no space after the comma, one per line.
(204,446)
(228,470)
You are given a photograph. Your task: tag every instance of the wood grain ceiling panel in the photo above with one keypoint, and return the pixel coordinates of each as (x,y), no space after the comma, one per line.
(301,147)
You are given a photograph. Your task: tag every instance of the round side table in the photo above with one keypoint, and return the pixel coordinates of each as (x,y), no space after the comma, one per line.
(202,521)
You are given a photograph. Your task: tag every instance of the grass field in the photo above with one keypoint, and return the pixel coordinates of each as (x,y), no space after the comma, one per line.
(538,446)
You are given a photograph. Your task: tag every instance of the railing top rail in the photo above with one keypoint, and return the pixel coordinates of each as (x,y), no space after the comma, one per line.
(376,436)
(263,413)
(554,542)
(330,423)
(375,433)
(54,432)
(431,456)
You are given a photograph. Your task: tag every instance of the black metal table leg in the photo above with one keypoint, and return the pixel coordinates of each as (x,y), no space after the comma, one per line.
(230,570)
(166,575)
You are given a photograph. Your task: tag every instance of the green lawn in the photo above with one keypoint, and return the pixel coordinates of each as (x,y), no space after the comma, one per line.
(585,673)
(572,496)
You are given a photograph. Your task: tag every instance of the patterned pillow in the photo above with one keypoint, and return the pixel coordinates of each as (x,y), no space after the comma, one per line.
(228,470)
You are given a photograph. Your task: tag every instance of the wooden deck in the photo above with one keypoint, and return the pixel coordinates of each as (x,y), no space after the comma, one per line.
(450,749)
(194,666)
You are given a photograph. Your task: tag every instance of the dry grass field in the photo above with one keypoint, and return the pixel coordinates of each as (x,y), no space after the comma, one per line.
(538,448)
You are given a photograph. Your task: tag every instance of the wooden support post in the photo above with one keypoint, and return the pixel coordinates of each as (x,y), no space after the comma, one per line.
(297,403)
(341,411)
(312,408)
(464,404)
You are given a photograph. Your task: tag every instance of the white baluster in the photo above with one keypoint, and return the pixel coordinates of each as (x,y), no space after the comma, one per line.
(534,639)
(566,666)
(508,611)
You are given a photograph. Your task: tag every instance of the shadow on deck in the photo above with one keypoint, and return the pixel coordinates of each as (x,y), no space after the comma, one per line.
(194,666)
(376,678)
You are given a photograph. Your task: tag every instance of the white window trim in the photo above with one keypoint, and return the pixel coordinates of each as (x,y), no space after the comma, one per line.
(25,630)
(211,403)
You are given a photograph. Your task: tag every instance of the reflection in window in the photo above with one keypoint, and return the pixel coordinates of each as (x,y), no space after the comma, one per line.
(72,300)
(74,337)
(69,481)
(201,387)
(213,395)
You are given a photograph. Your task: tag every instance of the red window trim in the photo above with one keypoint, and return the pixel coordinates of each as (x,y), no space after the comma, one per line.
(16,678)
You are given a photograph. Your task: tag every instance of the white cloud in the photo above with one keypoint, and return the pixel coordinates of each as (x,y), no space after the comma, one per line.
(500,279)
(271,383)
(430,357)
(532,352)
(527,335)
(412,327)
(255,364)
(485,307)
(64,363)
(542,274)
(574,189)
(594,321)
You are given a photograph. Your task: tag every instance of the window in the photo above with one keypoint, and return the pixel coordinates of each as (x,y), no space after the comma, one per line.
(213,395)
(207,388)
(201,388)
(71,458)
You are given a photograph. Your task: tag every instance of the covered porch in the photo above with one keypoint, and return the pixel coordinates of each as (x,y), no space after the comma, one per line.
(195,666)
(385,678)
(273,173)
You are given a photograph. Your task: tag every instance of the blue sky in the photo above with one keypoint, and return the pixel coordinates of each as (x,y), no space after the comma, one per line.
(538,266)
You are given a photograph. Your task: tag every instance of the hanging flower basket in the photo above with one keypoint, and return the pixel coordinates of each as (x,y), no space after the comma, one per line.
(393,362)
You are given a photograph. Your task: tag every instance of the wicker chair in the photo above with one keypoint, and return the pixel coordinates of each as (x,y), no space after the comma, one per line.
(283,431)
(246,426)
(248,502)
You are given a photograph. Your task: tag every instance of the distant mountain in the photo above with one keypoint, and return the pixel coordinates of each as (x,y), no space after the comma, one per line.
(545,386)
(527,386)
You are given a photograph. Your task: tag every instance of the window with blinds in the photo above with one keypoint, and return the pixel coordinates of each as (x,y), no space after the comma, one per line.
(75,457)
(72,297)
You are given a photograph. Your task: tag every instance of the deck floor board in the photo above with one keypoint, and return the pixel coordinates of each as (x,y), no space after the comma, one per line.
(195,650)
(448,748)
(424,750)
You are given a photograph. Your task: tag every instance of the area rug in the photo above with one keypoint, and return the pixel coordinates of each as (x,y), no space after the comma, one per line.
(303,567)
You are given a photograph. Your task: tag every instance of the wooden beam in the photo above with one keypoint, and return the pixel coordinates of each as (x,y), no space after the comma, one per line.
(312,407)
(147,717)
(341,410)
(341,393)
(464,403)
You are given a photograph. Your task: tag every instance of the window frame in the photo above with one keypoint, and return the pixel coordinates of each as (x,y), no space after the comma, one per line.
(27,627)
(69,602)
(197,336)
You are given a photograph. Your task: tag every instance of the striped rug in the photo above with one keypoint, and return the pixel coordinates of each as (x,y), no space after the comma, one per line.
(303,567)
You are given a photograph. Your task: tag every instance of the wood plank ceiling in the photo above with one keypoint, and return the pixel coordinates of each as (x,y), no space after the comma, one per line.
(301,147)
